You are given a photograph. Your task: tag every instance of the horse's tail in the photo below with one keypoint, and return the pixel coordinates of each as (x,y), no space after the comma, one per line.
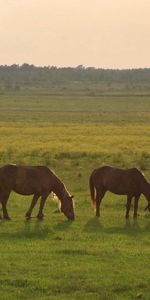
(92,191)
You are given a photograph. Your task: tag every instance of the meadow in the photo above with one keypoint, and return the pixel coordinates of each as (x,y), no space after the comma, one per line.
(106,258)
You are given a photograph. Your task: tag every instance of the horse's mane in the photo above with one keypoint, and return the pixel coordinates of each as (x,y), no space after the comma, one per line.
(56,200)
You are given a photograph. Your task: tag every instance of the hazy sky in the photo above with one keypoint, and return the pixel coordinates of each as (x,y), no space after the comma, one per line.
(100,33)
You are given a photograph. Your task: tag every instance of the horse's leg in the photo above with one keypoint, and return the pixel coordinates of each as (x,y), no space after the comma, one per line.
(1,209)
(136,200)
(129,198)
(33,203)
(99,196)
(40,214)
(4,198)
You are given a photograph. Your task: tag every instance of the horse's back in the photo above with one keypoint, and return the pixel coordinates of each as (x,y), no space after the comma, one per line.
(33,175)
(9,168)
(102,172)
(115,172)
(8,175)
(26,180)
(36,179)
(117,180)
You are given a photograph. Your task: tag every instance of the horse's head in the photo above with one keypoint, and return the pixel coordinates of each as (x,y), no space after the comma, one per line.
(67,207)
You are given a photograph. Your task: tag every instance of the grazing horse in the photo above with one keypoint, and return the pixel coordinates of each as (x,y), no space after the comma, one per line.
(38,181)
(130,182)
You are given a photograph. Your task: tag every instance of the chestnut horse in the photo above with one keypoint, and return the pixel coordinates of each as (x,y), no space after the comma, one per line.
(38,181)
(130,182)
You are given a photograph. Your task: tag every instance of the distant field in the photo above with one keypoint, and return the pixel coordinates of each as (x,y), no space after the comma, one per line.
(49,129)
(37,109)
(89,258)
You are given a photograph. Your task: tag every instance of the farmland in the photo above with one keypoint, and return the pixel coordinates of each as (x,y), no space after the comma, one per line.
(106,258)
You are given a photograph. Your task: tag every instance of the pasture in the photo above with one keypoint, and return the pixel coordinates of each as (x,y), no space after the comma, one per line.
(106,258)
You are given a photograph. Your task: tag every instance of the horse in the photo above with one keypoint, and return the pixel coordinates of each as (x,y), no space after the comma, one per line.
(38,181)
(129,182)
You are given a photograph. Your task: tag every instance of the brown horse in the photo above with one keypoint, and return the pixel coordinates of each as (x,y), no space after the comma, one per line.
(130,182)
(38,181)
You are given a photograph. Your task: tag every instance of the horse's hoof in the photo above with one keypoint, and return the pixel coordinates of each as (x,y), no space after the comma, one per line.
(7,218)
(28,215)
(40,217)
(135,216)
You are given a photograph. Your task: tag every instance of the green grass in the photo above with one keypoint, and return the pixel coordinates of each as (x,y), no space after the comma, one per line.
(106,258)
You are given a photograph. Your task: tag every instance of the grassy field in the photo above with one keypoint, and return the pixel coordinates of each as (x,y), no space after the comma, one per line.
(106,258)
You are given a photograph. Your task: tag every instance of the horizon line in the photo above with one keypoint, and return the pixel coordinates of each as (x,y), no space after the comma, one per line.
(80,66)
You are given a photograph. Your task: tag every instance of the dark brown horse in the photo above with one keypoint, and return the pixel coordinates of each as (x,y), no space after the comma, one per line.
(130,182)
(38,181)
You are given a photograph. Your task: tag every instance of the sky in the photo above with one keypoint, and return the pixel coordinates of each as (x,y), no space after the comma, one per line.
(94,33)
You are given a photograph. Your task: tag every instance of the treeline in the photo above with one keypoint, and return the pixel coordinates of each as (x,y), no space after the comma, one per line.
(90,79)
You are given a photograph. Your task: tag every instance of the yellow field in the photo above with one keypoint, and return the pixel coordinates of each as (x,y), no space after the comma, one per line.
(24,141)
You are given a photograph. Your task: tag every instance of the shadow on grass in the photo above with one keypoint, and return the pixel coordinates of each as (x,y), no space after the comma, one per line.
(63,225)
(32,230)
(130,227)
(36,230)
(94,225)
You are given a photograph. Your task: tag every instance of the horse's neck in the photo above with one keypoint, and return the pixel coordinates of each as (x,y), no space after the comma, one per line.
(60,190)
(146,189)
